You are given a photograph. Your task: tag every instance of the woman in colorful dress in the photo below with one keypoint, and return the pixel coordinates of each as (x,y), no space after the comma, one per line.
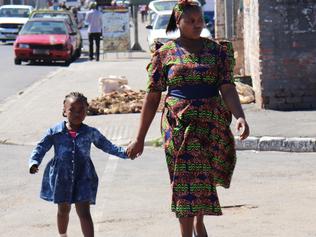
(197,74)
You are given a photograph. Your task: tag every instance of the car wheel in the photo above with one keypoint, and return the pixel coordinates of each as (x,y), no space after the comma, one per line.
(67,62)
(17,61)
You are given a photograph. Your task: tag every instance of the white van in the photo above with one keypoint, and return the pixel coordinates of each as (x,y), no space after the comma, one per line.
(12,18)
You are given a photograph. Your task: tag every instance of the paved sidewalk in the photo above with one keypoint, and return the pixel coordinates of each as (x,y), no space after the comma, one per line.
(25,117)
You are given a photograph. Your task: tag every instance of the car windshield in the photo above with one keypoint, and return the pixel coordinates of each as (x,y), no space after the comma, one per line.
(162,6)
(51,15)
(162,22)
(14,12)
(44,27)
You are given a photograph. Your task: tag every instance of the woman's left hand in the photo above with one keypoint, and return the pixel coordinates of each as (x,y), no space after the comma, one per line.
(243,128)
(135,149)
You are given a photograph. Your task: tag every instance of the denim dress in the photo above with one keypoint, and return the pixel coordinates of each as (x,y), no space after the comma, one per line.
(70,176)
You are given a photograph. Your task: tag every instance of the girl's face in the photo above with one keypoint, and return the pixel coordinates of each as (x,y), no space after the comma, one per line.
(191,24)
(75,111)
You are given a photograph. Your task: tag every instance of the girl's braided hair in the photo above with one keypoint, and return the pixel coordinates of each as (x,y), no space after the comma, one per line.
(77,96)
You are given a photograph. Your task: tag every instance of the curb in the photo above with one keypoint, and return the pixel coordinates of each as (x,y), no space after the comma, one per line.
(265,143)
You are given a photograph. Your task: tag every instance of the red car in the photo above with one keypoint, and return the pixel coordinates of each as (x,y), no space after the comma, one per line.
(47,40)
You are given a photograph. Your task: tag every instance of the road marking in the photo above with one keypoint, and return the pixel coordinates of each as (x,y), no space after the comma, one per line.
(104,189)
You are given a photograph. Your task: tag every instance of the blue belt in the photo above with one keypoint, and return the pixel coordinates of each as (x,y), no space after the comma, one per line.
(199,91)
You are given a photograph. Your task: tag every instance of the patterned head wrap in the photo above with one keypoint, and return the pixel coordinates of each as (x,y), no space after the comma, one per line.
(179,7)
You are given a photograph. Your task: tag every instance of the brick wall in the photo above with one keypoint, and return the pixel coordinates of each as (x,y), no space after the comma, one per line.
(280,52)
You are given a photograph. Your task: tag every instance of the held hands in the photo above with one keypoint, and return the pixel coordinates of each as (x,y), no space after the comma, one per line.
(34,169)
(135,149)
(242,127)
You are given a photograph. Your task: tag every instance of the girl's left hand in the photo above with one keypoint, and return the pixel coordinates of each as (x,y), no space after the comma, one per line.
(243,128)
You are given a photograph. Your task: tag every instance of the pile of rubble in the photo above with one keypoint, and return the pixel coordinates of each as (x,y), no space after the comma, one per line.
(117,98)
(117,102)
(245,92)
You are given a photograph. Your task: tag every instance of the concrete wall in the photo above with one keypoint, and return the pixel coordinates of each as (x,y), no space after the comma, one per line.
(280,52)
(251,45)
(219,19)
(237,38)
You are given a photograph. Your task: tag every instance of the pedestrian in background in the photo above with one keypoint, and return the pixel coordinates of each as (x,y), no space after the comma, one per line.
(70,177)
(94,20)
(197,74)
(144,12)
(63,6)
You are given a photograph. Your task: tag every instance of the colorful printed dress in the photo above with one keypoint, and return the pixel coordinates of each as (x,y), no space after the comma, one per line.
(199,145)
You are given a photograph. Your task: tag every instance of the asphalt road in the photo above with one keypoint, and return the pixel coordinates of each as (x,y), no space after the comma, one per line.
(272,194)
(15,78)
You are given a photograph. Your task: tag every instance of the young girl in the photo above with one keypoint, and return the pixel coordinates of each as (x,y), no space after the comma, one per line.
(70,176)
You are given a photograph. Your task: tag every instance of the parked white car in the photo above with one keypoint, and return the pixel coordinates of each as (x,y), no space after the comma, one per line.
(157,30)
(12,18)
(157,6)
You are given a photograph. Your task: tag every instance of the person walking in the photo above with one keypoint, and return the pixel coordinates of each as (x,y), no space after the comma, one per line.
(70,177)
(144,12)
(197,74)
(94,20)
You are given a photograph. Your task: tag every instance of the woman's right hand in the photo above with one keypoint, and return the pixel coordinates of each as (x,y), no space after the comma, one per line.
(135,149)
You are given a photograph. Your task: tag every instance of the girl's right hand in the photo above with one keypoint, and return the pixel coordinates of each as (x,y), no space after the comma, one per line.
(34,169)
(135,149)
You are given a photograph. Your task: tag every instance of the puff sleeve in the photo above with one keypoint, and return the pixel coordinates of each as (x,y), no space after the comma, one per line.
(156,74)
(226,63)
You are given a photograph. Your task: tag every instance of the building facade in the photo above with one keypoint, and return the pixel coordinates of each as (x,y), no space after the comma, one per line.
(280,52)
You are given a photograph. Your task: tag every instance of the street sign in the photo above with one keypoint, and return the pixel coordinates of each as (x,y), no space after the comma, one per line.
(116,32)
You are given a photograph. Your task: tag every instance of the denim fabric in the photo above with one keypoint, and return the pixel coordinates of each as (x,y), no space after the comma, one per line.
(70,175)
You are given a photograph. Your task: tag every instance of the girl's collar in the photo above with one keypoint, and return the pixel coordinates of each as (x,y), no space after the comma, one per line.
(81,129)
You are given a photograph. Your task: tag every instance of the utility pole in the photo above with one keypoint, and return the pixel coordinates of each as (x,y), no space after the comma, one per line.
(229,19)
(136,46)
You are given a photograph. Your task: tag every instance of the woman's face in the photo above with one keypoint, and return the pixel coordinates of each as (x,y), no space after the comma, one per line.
(191,24)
